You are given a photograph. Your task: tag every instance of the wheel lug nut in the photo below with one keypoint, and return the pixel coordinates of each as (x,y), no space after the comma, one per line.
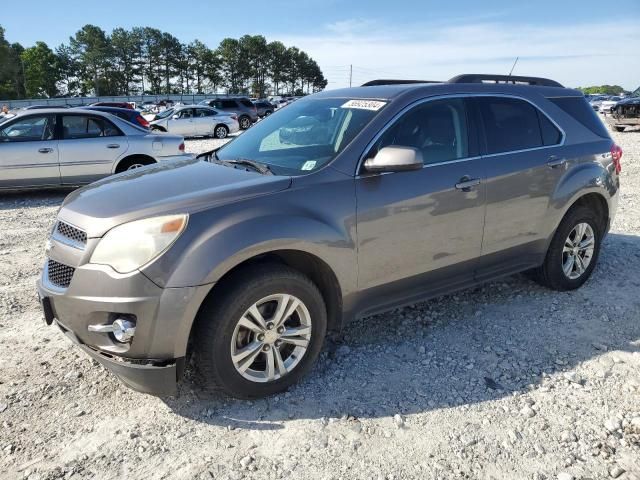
(261,337)
(280,330)
(269,326)
(266,348)
(278,343)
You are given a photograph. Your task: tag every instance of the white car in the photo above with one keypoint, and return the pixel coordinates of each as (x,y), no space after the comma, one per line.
(62,147)
(605,105)
(196,121)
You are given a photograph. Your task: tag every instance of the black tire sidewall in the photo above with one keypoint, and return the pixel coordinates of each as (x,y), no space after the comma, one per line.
(215,132)
(221,323)
(553,261)
(245,121)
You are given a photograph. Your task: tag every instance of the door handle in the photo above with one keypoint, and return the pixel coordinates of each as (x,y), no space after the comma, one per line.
(45,150)
(113,145)
(555,162)
(467,183)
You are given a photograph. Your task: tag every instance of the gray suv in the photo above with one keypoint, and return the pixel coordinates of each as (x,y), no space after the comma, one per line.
(345,204)
(242,106)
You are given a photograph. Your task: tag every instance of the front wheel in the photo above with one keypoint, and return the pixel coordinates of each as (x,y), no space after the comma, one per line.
(261,333)
(573,252)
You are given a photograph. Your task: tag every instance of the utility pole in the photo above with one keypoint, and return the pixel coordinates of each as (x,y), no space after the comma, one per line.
(350,74)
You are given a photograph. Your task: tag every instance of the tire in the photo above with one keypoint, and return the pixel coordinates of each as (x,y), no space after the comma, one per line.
(619,129)
(131,163)
(158,130)
(245,122)
(552,274)
(219,333)
(267,113)
(220,132)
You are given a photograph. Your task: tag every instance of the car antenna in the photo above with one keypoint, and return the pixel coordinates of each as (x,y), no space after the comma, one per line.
(514,66)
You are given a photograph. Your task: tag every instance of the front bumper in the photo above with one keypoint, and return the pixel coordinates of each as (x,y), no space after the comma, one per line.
(153,361)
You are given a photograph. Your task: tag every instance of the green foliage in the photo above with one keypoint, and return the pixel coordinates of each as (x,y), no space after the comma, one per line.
(147,60)
(603,89)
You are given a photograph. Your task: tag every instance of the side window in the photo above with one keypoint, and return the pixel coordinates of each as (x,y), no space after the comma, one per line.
(550,133)
(438,129)
(31,129)
(203,112)
(185,114)
(229,104)
(80,126)
(246,103)
(510,124)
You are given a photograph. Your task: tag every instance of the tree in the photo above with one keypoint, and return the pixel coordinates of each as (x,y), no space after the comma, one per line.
(41,71)
(92,49)
(603,89)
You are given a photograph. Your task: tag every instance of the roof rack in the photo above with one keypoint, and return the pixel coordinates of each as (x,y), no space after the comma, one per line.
(518,80)
(374,83)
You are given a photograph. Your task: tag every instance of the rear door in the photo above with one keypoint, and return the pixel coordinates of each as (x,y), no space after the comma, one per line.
(89,148)
(523,162)
(421,231)
(184,124)
(204,121)
(29,152)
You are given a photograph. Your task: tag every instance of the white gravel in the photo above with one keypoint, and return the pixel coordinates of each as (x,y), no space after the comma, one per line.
(506,381)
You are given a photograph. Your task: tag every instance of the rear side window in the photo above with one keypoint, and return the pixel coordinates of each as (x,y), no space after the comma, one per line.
(228,104)
(79,126)
(579,109)
(550,133)
(510,124)
(246,103)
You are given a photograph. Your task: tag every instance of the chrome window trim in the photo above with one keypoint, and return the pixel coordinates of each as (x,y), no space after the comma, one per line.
(392,121)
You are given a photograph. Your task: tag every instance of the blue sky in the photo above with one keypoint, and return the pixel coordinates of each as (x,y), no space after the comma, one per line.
(576,42)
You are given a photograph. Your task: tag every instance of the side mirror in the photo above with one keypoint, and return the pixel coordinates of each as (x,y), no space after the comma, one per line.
(395,159)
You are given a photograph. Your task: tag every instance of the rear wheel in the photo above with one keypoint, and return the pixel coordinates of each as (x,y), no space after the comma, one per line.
(573,252)
(132,163)
(262,333)
(221,131)
(245,122)
(155,129)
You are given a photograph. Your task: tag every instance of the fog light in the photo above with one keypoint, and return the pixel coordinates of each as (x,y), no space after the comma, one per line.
(122,329)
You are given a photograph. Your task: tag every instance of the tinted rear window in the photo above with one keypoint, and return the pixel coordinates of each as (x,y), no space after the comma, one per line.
(510,124)
(580,109)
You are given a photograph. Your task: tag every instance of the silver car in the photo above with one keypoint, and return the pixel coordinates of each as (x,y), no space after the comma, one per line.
(196,121)
(61,147)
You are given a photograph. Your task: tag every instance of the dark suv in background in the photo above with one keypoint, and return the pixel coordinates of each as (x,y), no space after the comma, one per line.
(345,204)
(241,106)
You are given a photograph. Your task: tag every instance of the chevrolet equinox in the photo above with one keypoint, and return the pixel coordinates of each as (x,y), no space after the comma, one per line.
(344,204)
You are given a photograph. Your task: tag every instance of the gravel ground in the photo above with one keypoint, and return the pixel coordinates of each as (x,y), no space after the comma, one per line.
(506,381)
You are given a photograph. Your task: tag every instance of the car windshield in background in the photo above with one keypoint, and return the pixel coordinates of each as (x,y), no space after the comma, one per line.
(164,114)
(305,136)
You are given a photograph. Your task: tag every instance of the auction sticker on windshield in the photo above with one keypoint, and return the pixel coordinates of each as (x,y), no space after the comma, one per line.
(374,105)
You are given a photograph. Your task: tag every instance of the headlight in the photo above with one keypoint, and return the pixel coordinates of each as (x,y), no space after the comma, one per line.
(129,246)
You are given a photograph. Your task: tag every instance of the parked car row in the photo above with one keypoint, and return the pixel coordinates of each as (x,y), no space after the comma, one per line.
(195,121)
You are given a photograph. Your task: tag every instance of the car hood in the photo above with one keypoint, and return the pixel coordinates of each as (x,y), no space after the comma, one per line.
(183,186)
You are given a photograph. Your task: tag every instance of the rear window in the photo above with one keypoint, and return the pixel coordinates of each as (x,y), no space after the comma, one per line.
(510,124)
(580,109)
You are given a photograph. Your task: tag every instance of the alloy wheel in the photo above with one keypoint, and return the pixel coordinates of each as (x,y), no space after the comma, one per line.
(221,132)
(271,338)
(578,250)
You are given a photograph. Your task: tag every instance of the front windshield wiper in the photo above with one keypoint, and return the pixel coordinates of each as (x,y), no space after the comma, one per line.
(262,168)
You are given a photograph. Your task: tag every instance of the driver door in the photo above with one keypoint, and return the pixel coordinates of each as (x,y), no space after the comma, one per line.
(29,152)
(184,124)
(421,231)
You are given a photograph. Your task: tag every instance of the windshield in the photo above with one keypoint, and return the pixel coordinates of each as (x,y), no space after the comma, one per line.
(164,113)
(305,136)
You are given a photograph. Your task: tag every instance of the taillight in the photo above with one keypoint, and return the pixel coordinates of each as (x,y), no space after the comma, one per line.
(142,121)
(181,147)
(616,155)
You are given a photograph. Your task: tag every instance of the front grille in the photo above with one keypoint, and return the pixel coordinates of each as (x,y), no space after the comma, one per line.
(71,232)
(59,274)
